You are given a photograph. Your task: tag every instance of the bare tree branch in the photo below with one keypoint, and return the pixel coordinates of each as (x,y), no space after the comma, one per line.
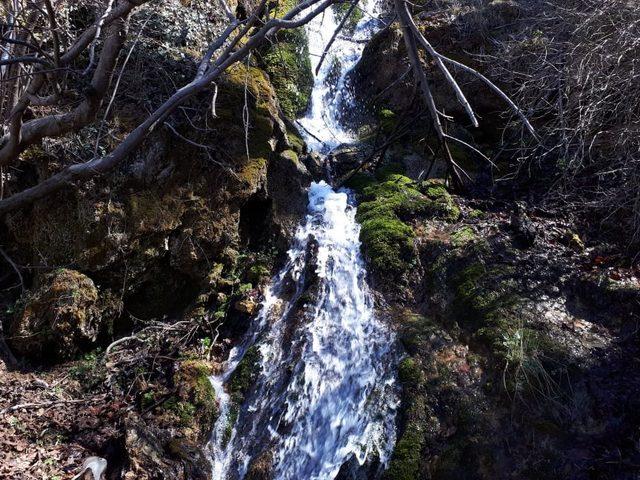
(99,166)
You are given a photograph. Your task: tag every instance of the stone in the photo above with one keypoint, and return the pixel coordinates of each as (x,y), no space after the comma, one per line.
(63,317)
(246,305)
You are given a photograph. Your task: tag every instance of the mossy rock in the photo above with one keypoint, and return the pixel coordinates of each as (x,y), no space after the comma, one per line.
(388,242)
(463,236)
(387,120)
(149,212)
(416,331)
(196,404)
(253,172)
(385,207)
(62,318)
(406,460)
(289,68)
(359,181)
(242,80)
(287,62)
(244,375)
(407,454)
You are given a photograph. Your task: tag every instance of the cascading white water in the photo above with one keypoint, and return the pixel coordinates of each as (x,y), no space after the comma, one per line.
(322,128)
(325,393)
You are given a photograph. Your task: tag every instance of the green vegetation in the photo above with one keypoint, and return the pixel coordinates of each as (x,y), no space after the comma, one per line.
(287,62)
(407,454)
(289,68)
(195,403)
(388,201)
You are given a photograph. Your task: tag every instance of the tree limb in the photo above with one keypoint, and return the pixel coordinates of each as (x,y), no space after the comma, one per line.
(99,166)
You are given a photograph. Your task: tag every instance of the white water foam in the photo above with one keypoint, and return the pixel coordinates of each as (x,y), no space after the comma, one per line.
(322,129)
(325,395)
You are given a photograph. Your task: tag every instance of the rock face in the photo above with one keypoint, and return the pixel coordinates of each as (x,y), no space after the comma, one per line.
(63,317)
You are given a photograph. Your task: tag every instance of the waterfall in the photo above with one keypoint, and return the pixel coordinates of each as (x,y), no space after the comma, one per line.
(325,397)
(322,127)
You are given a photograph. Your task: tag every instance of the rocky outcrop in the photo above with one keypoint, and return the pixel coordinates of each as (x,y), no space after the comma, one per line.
(508,348)
(389,201)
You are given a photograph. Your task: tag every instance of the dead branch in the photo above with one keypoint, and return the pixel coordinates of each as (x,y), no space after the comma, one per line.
(338,29)
(437,58)
(99,166)
(496,89)
(52,403)
(20,135)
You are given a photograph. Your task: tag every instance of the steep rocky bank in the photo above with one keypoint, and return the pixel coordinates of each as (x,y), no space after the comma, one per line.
(518,336)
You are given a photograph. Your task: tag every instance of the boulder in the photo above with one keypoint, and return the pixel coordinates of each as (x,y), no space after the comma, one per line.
(63,317)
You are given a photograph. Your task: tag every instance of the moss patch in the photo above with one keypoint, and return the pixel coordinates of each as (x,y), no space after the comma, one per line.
(407,454)
(287,62)
(288,65)
(195,403)
(386,205)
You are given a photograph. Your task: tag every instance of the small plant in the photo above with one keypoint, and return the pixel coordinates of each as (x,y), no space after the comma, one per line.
(89,371)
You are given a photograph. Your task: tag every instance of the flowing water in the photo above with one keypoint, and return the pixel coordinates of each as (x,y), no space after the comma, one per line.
(324,398)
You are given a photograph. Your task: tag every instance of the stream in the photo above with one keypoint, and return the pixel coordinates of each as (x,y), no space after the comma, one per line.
(325,397)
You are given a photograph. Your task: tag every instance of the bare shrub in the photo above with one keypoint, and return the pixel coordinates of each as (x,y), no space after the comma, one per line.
(575,70)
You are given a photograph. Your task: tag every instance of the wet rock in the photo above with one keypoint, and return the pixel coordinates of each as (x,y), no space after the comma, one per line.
(261,468)
(315,164)
(63,317)
(346,158)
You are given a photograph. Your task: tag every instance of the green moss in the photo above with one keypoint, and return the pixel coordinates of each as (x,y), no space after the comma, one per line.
(480,293)
(239,81)
(296,143)
(386,205)
(253,171)
(462,236)
(195,404)
(360,181)
(475,213)
(393,168)
(185,411)
(244,375)
(407,454)
(289,67)
(415,333)
(258,273)
(405,462)
(388,243)
(444,204)
(388,120)
(290,156)
(409,372)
